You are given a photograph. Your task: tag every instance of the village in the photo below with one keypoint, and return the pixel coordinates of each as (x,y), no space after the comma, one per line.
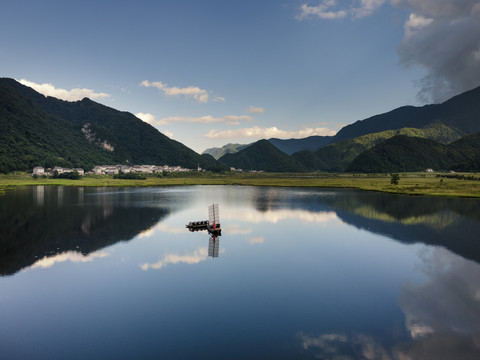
(111,170)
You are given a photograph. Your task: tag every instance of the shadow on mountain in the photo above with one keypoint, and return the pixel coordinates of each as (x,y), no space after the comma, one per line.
(62,219)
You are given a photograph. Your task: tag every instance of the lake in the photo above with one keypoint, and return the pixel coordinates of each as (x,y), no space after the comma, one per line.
(106,273)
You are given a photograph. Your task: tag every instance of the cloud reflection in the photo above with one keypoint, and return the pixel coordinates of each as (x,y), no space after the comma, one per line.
(449,301)
(275,216)
(256,240)
(160,227)
(73,256)
(195,257)
(346,347)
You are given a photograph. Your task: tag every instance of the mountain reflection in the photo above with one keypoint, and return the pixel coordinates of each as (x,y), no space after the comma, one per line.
(451,223)
(63,223)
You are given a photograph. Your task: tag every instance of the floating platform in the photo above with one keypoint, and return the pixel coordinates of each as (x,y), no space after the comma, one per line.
(204,225)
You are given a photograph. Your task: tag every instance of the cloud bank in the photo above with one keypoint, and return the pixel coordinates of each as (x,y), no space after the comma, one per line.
(48,89)
(266,133)
(200,95)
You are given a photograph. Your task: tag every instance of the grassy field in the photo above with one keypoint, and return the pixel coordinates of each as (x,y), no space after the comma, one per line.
(409,183)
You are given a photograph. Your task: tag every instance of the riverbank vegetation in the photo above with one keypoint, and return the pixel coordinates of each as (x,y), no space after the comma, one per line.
(460,185)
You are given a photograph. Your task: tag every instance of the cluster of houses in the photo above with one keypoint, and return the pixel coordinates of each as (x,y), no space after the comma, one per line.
(113,169)
(41,171)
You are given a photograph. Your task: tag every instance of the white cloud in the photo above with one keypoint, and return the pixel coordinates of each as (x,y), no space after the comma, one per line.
(73,256)
(195,257)
(200,95)
(207,119)
(266,133)
(328,10)
(255,110)
(48,89)
(415,23)
(219,99)
(321,11)
(146,117)
(168,134)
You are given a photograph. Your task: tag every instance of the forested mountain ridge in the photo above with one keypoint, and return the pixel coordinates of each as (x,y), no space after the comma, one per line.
(115,136)
(461,113)
(404,153)
(337,156)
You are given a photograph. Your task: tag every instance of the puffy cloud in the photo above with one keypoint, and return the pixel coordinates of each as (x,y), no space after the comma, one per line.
(327,9)
(255,110)
(200,95)
(443,37)
(146,117)
(266,133)
(48,89)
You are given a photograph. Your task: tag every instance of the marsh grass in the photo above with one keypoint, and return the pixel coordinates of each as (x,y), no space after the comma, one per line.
(409,183)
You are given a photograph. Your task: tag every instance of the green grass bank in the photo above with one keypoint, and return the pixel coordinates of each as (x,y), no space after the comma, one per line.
(449,185)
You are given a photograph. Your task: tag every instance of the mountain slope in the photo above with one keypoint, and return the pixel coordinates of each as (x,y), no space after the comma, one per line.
(403,153)
(337,156)
(262,155)
(460,113)
(30,137)
(119,133)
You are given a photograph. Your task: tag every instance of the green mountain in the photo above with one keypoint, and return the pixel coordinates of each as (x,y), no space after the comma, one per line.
(217,153)
(460,113)
(262,155)
(30,137)
(101,133)
(403,153)
(337,156)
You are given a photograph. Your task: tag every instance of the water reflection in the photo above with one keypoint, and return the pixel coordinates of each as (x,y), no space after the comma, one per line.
(194,257)
(70,221)
(305,273)
(213,246)
(441,316)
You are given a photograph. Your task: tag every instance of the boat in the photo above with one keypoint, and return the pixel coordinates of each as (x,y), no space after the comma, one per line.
(212,225)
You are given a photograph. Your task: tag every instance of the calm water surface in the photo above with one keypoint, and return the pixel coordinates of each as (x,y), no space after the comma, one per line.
(297,274)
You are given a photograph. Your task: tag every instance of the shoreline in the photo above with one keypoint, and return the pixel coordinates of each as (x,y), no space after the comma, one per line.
(411,184)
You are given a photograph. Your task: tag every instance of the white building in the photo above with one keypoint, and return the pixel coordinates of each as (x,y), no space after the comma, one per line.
(38,170)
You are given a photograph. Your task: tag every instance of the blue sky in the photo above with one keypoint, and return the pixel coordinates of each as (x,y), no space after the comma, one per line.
(207,73)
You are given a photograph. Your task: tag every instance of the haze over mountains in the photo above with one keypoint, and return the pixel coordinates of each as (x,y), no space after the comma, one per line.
(38,130)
